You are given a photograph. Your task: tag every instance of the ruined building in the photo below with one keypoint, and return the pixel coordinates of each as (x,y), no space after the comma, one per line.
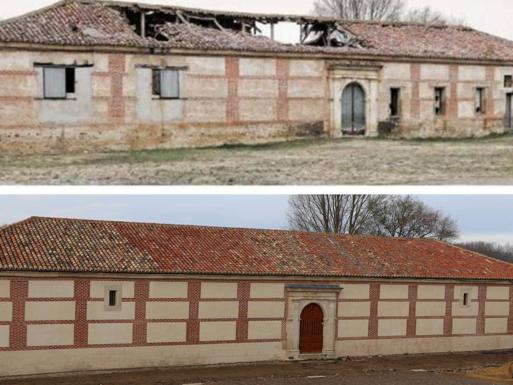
(87,74)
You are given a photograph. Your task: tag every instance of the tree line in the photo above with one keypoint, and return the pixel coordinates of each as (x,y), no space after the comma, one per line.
(381,10)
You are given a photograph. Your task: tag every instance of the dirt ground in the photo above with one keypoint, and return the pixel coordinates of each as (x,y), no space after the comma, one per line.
(310,162)
(447,369)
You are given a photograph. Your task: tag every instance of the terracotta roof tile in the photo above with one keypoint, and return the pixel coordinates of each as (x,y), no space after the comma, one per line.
(72,245)
(102,23)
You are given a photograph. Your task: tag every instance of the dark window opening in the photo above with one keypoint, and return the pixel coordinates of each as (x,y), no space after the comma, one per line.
(466,299)
(395,100)
(156,82)
(70,80)
(480,101)
(440,101)
(508,81)
(112,298)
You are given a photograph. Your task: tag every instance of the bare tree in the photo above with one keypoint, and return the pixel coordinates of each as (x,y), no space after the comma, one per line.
(405,216)
(346,214)
(383,10)
(392,216)
(380,10)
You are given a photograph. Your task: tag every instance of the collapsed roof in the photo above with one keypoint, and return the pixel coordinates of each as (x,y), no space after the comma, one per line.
(73,245)
(165,28)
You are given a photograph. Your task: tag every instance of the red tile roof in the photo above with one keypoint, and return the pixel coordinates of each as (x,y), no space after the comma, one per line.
(102,23)
(74,245)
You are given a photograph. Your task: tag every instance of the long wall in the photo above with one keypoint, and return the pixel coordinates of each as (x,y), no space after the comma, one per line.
(181,322)
(229,99)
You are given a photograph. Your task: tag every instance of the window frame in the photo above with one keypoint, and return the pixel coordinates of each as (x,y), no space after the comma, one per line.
(508,81)
(158,95)
(65,68)
(108,289)
(442,109)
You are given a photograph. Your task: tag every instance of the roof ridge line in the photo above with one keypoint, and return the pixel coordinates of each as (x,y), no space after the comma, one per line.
(325,234)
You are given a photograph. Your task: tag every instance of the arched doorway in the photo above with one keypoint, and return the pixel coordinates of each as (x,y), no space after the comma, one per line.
(353,110)
(311,329)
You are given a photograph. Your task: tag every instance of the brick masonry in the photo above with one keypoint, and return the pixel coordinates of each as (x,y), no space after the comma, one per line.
(19,297)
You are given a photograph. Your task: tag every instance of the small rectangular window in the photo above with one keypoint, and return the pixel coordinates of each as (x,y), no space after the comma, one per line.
(58,82)
(113,298)
(395,100)
(480,100)
(166,83)
(508,81)
(466,299)
(440,101)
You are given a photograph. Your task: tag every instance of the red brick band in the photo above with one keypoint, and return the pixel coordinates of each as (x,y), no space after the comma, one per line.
(232,104)
(82,296)
(510,319)
(117,72)
(194,293)
(481,297)
(242,322)
(283,73)
(141,292)
(415,90)
(449,299)
(373,319)
(490,98)
(452,110)
(411,325)
(18,330)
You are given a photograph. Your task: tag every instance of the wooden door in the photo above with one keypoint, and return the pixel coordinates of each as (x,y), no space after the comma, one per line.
(311,329)
(353,110)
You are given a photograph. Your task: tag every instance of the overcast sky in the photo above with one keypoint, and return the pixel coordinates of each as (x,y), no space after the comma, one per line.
(488,218)
(492,16)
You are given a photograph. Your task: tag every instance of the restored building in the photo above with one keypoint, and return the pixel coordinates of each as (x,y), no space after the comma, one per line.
(83,75)
(80,295)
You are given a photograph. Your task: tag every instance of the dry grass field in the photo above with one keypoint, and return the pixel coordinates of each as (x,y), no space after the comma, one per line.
(311,162)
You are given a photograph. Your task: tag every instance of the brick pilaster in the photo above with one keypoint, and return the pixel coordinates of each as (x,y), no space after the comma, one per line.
(18,329)
(490,102)
(242,322)
(117,64)
(449,299)
(141,294)
(415,90)
(232,75)
(373,319)
(411,326)
(452,107)
(510,319)
(193,324)
(481,298)
(81,297)
(282,73)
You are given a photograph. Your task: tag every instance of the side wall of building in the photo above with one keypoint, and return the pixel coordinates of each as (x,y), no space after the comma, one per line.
(222,100)
(181,322)
(230,100)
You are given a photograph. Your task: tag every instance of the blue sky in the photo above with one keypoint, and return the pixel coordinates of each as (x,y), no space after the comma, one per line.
(479,217)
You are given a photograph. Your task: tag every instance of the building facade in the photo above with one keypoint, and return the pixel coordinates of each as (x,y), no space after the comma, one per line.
(83,75)
(89,295)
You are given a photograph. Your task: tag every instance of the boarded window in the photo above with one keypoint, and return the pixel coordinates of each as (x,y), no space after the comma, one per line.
(54,83)
(440,101)
(395,100)
(480,100)
(166,83)
(508,81)
(59,82)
